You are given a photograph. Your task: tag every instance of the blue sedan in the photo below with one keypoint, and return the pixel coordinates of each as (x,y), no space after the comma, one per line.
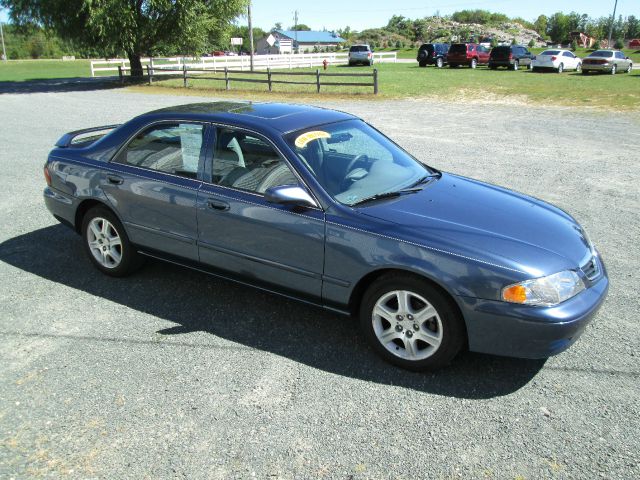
(319,206)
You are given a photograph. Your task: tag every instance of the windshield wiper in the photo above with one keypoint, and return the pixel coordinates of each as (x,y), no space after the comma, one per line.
(393,193)
(425,179)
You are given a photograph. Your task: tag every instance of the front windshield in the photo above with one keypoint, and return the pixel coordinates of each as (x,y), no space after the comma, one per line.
(601,53)
(353,161)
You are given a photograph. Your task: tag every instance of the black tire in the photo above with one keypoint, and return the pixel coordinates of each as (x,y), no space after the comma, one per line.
(629,68)
(130,259)
(450,327)
(453,65)
(579,68)
(439,63)
(516,65)
(560,68)
(534,69)
(474,63)
(422,64)
(614,69)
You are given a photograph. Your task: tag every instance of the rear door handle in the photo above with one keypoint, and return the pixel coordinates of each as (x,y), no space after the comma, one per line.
(115,179)
(217,204)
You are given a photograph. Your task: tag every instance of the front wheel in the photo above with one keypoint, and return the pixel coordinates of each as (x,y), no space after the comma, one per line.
(474,63)
(411,323)
(107,243)
(439,63)
(629,68)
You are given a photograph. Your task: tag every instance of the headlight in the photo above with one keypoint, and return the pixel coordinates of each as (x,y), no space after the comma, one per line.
(545,291)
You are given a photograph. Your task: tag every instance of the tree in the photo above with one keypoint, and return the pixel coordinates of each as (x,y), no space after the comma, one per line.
(574,45)
(136,28)
(633,27)
(277,26)
(301,27)
(540,25)
(532,43)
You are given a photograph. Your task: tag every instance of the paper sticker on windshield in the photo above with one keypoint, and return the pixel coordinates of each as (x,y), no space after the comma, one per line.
(305,138)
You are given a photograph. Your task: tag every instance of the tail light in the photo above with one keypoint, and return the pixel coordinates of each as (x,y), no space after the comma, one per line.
(554,58)
(511,56)
(434,54)
(47,175)
(369,55)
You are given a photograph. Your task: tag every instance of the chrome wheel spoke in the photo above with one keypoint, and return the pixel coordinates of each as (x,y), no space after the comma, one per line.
(403,301)
(95,229)
(427,336)
(410,347)
(388,335)
(424,314)
(384,312)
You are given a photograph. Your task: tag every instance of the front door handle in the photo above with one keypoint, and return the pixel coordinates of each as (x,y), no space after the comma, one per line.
(217,204)
(115,179)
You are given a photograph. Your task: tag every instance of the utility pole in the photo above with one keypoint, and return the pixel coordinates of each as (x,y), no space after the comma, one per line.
(613,19)
(250,37)
(295,23)
(4,51)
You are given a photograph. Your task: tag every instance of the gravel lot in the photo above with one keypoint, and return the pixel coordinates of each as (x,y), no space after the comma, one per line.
(171,373)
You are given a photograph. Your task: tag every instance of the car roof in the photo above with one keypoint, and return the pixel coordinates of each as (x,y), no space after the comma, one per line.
(282,117)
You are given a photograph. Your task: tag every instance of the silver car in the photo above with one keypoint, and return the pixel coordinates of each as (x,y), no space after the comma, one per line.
(610,61)
(360,54)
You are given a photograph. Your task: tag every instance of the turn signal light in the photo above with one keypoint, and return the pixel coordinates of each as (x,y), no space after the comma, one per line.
(515,294)
(47,176)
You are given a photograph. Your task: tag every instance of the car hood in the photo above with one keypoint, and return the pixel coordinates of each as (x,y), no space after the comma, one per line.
(488,223)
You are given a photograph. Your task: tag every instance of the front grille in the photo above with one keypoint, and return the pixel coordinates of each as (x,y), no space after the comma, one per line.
(591,269)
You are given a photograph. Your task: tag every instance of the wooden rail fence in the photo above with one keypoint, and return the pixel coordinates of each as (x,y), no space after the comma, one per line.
(199,74)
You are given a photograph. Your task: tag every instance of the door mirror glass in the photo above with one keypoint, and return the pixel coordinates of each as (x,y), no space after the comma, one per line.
(289,195)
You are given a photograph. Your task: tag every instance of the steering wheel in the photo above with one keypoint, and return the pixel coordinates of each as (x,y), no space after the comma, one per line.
(346,181)
(358,158)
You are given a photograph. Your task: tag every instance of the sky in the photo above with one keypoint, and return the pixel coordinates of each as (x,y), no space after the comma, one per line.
(361,14)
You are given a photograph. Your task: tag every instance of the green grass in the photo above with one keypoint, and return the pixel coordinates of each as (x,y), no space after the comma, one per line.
(22,70)
(400,80)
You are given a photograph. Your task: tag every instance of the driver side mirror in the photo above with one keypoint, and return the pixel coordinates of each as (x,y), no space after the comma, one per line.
(293,195)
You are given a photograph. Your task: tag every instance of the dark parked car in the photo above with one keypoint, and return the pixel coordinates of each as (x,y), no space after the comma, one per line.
(433,54)
(319,206)
(470,54)
(513,57)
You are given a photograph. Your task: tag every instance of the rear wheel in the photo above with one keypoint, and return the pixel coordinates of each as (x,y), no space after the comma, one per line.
(411,323)
(439,63)
(516,65)
(560,68)
(474,63)
(453,65)
(614,69)
(107,244)
(534,69)
(579,67)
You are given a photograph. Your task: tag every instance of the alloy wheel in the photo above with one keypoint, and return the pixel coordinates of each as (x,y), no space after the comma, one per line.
(407,325)
(104,242)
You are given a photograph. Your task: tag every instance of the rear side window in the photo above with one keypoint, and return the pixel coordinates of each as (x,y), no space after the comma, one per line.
(567,54)
(170,148)
(458,48)
(619,55)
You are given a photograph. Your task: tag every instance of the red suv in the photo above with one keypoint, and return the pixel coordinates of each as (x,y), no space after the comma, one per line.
(470,54)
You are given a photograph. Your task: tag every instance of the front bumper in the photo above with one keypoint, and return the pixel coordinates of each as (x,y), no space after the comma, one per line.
(524,331)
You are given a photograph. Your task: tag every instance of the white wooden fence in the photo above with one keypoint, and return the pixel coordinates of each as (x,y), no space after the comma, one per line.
(260,62)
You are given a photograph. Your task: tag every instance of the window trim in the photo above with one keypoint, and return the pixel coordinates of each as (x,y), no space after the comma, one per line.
(205,141)
(207,176)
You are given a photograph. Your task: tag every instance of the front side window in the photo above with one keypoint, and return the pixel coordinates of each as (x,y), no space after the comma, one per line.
(620,55)
(170,148)
(568,54)
(247,162)
(352,161)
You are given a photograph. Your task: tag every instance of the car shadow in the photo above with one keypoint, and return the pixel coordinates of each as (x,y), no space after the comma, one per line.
(53,85)
(196,302)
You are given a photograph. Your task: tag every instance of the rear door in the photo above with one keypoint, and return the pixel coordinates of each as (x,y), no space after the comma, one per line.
(153,184)
(276,246)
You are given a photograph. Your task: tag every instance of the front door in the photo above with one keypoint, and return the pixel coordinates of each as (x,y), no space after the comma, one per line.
(275,246)
(153,185)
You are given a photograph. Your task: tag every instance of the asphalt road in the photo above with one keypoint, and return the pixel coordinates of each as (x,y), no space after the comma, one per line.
(173,374)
